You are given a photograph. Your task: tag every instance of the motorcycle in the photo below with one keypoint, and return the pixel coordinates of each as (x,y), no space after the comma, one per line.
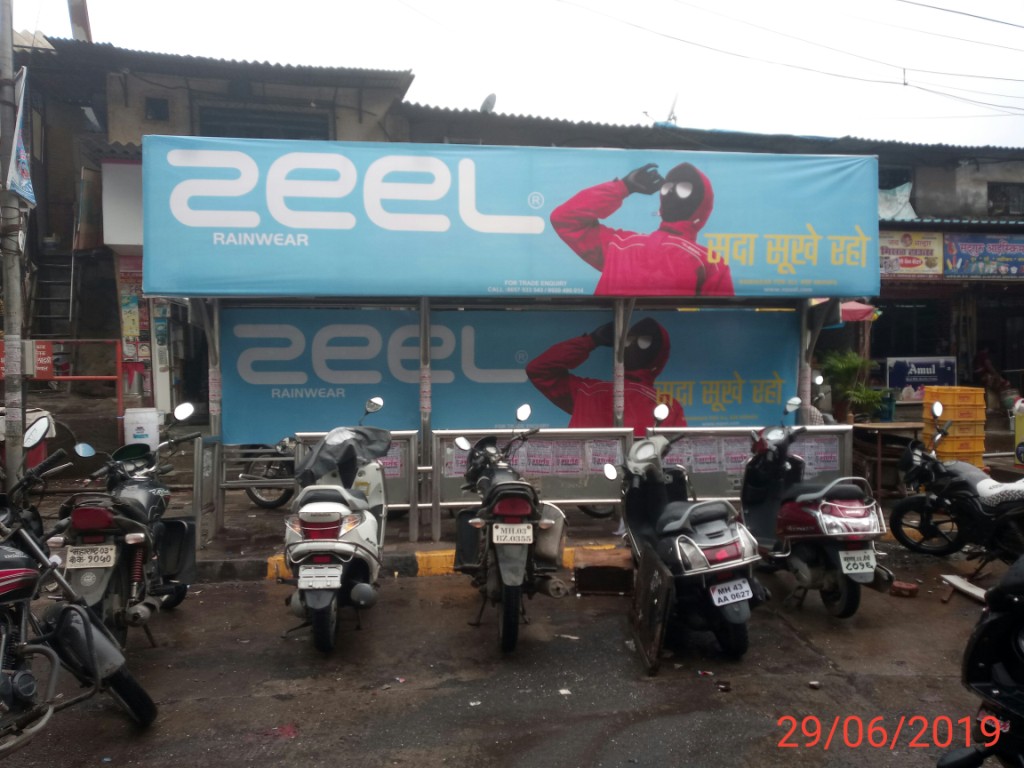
(512,543)
(335,538)
(958,504)
(275,462)
(125,558)
(706,548)
(823,533)
(993,669)
(68,636)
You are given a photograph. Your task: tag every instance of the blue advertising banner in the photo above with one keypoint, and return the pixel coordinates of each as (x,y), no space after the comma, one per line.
(235,217)
(984,256)
(297,370)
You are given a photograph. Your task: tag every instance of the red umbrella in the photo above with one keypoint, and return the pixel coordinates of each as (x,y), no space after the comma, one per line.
(854,311)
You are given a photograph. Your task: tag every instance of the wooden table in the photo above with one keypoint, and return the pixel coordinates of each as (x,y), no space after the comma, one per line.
(910,429)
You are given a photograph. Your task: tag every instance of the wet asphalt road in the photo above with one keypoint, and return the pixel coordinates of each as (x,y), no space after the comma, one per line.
(418,686)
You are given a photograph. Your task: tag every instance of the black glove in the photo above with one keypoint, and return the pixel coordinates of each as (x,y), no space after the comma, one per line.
(604,336)
(645,180)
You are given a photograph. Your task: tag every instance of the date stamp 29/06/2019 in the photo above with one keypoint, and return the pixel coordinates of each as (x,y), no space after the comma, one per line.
(880,732)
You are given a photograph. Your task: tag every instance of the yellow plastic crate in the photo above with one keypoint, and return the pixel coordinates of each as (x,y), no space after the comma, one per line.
(950,444)
(970,458)
(950,396)
(956,413)
(957,428)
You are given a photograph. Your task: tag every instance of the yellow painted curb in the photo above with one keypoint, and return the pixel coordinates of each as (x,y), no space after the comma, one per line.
(277,565)
(438,563)
(569,554)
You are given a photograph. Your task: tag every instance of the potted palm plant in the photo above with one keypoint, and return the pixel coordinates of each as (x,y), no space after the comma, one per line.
(847,372)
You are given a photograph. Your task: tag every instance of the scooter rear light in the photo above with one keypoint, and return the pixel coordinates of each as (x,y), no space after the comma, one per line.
(730,551)
(321,559)
(91,518)
(330,529)
(513,506)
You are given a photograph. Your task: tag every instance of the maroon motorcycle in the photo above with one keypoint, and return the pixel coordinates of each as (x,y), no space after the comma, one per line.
(68,637)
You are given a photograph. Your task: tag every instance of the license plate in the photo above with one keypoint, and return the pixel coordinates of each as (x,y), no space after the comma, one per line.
(731,591)
(857,560)
(101,556)
(319,577)
(505,533)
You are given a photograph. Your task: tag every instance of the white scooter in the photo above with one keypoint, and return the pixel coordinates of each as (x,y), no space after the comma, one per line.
(334,539)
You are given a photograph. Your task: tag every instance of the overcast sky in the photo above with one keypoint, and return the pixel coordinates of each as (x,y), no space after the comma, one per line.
(941,71)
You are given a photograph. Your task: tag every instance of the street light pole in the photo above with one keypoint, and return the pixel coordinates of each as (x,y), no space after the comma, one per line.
(10,251)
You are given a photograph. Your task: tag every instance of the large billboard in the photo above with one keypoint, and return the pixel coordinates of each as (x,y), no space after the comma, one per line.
(308,370)
(235,217)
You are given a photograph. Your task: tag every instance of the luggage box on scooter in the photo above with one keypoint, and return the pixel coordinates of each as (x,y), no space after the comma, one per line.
(178,549)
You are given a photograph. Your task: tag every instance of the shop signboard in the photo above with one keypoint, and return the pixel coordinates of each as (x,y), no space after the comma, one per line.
(984,257)
(41,362)
(911,255)
(310,369)
(920,372)
(238,217)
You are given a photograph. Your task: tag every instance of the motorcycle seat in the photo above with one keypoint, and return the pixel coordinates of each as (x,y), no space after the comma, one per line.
(992,493)
(682,516)
(353,499)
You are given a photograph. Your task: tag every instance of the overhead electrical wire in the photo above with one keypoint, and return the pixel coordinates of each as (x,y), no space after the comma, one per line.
(903,81)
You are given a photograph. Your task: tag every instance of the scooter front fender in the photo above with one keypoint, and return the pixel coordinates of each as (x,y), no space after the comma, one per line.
(736,613)
(512,563)
(318,599)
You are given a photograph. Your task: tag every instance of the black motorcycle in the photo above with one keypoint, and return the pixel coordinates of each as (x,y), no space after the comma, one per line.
(512,543)
(993,669)
(123,556)
(958,504)
(270,463)
(69,636)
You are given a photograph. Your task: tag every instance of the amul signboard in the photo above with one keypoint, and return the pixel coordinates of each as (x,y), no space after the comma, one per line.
(233,217)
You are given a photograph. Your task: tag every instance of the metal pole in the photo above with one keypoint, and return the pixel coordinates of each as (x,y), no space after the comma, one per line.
(10,246)
(426,444)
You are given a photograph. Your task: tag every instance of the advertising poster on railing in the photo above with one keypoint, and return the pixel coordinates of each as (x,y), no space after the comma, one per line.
(237,217)
(308,370)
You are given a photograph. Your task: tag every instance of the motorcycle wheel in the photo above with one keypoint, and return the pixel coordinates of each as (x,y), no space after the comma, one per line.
(176,597)
(132,697)
(115,603)
(508,617)
(269,498)
(325,627)
(920,528)
(733,639)
(843,601)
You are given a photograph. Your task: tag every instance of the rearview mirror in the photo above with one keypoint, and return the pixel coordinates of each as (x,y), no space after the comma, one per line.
(374,404)
(35,433)
(660,412)
(936,409)
(819,380)
(462,443)
(84,450)
(183,411)
(792,404)
(611,472)
(523,412)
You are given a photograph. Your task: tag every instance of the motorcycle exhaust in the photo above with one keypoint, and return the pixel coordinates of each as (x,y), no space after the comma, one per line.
(140,613)
(552,587)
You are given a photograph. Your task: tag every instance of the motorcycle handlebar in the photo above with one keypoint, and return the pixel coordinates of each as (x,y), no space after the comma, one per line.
(184,438)
(49,462)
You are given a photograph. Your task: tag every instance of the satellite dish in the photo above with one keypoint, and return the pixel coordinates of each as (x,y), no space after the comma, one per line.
(488,106)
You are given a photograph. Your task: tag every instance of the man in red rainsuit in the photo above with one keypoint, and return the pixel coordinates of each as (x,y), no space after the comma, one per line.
(590,401)
(666,262)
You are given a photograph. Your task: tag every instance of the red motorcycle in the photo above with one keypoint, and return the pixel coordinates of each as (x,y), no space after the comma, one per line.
(823,533)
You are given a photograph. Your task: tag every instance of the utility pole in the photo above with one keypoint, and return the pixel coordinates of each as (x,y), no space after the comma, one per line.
(10,251)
